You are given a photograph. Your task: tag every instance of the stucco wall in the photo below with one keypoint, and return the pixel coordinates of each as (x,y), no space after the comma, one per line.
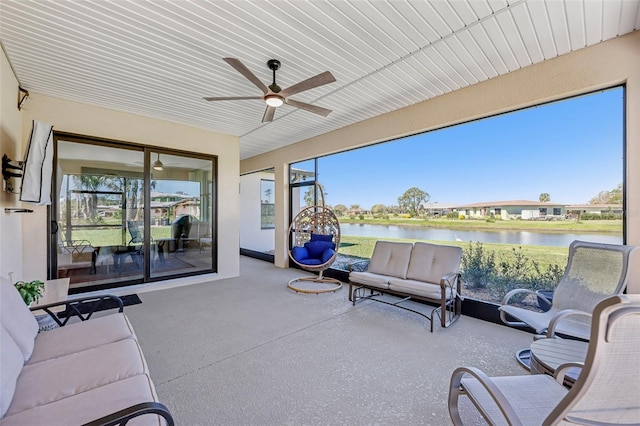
(10,144)
(84,119)
(601,66)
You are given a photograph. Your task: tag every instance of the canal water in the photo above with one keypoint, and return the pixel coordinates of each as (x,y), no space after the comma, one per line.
(499,237)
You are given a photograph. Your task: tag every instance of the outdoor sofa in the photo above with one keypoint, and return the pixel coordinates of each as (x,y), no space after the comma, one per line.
(419,271)
(83,372)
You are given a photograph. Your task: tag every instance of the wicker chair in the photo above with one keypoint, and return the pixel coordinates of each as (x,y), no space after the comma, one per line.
(606,392)
(314,239)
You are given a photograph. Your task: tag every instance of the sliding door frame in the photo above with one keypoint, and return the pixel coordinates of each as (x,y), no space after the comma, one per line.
(146,150)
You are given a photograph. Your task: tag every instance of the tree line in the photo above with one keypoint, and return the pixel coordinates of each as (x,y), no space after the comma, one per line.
(412,202)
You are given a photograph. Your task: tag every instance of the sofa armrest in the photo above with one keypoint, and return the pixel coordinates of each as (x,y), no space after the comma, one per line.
(123,416)
(83,307)
(451,281)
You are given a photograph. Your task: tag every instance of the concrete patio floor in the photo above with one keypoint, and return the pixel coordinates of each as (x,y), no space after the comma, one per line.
(248,350)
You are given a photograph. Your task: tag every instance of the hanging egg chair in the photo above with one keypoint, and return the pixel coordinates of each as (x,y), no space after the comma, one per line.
(314,239)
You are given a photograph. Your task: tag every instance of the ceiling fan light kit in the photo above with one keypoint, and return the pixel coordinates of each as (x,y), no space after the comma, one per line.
(157,165)
(273,95)
(274,100)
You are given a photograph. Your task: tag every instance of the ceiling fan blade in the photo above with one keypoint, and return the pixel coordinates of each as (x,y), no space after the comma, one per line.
(319,80)
(308,107)
(230,98)
(239,66)
(268,114)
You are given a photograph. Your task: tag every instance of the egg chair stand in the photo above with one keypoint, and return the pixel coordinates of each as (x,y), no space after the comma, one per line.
(314,239)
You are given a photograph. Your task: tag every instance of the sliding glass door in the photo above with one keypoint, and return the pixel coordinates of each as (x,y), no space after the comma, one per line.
(128,214)
(180,214)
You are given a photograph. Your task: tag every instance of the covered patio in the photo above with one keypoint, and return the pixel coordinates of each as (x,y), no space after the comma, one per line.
(247,350)
(235,346)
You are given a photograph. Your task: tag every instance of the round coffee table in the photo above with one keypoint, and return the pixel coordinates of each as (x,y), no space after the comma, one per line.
(549,354)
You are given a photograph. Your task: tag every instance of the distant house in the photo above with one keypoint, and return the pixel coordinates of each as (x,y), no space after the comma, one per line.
(166,206)
(358,211)
(513,209)
(575,210)
(438,209)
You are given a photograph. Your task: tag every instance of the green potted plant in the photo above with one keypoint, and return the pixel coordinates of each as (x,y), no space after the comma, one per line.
(31,291)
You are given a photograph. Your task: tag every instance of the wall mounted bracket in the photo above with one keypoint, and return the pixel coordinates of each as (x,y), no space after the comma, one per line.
(17,210)
(8,167)
(10,170)
(23,94)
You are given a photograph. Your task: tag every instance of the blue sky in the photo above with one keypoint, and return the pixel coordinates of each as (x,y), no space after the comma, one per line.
(571,149)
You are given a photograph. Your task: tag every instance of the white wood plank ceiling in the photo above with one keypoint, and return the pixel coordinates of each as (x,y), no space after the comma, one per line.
(160,58)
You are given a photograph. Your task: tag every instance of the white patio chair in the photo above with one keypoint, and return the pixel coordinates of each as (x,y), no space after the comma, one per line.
(594,272)
(605,393)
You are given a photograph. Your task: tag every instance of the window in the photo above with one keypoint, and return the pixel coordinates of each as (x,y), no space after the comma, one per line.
(383,181)
(267,204)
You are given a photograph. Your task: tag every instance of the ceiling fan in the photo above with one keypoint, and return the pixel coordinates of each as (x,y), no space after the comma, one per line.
(273,95)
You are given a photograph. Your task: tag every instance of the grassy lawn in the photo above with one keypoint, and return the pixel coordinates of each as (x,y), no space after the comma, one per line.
(114,236)
(569,225)
(544,255)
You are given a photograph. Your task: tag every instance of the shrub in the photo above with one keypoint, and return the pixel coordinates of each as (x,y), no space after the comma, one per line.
(361,217)
(478,266)
(453,215)
(479,269)
(462,217)
(600,216)
(521,272)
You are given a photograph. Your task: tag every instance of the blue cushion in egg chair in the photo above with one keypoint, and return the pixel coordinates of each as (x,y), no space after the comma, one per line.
(316,251)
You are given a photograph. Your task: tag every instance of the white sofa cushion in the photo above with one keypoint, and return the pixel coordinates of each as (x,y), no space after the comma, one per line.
(370,279)
(49,381)
(418,288)
(91,405)
(11,362)
(390,258)
(17,318)
(430,262)
(81,336)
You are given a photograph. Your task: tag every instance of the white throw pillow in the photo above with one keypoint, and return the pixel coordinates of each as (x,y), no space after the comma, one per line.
(16,317)
(11,362)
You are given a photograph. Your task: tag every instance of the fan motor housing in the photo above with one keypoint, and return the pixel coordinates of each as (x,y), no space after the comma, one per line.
(273,64)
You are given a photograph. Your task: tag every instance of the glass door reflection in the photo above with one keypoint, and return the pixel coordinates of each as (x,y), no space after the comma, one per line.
(99,206)
(181,220)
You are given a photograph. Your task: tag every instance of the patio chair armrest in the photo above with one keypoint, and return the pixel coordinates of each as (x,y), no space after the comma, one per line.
(123,416)
(551,330)
(359,266)
(78,243)
(505,301)
(72,307)
(455,389)
(507,297)
(562,370)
